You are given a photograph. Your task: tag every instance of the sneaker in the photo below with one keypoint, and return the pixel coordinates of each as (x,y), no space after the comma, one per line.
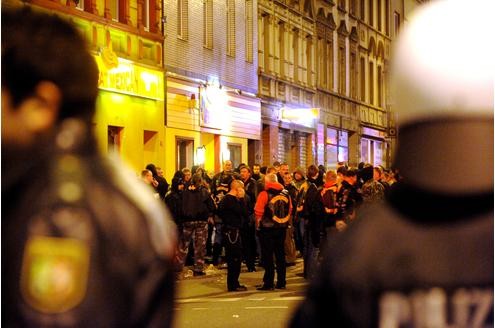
(263,287)
(280,287)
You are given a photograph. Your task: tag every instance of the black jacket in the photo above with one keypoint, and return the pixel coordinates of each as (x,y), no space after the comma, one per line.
(197,204)
(398,254)
(233,212)
(113,241)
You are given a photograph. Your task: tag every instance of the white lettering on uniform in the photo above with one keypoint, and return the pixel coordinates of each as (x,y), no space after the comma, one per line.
(434,308)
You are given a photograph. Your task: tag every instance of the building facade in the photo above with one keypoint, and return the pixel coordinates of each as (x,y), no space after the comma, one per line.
(324,80)
(212,111)
(188,83)
(354,54)
(287,80)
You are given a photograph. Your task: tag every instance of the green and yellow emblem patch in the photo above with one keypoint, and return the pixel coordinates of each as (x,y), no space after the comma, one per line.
(54,273)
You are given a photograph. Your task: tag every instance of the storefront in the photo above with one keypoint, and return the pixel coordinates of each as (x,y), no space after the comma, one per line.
(208,123)
(287,135)
(332,146)
(129,116)
(373,146)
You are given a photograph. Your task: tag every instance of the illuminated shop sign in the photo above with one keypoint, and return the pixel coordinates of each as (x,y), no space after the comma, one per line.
(373,133)
(123,76)
(303,116)
(213,107)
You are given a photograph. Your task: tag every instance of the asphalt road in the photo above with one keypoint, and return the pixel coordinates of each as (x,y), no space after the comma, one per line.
(203,302)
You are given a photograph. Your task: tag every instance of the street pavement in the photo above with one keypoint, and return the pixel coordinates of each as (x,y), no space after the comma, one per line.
(204,302)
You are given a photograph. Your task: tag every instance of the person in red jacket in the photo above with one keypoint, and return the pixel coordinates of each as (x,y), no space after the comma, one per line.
(272,210)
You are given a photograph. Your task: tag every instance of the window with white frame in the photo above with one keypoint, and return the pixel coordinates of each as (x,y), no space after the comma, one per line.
(231,28)
(183,19)
(208,24)
(249,35)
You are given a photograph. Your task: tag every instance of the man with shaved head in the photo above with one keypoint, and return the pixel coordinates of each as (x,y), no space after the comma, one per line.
(233,212)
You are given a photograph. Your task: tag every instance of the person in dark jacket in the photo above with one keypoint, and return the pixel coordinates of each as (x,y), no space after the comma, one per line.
(84,243)
(162,186)
(348,200)
(424,257)
(173,199)
(248,230)
(197,208)
(233,212)
(310,211)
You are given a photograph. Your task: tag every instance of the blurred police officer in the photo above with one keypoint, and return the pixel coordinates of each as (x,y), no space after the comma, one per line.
(425,258)
(82,243)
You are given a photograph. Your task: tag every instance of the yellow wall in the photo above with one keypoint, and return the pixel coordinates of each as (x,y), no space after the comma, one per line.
(170,145)
(135,115)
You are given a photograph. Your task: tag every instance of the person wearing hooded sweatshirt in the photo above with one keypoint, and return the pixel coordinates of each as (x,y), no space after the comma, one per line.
(272,219)
(173,199)
(197,208)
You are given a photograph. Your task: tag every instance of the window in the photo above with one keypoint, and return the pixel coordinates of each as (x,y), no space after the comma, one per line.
(353,74)
(387,17)
(362,10)
(231,28)
(379,86)
(352,7)
(372,151)
(249,35)
(322,63)
(362,73)
(114,10)
(79,4)
(266,42)
(235,151)
(145,15)
(379,16)
(281,44)
(396,24)
(295,51)
(342,70)
(330,64)
(184,153)
(183,19)
(208,24)
(117,10)
(337,147)
(372,84)
(114,139)
(309,59)
(370,12)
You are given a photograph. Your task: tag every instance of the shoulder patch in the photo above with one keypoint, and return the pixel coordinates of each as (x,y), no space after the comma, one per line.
(54,273)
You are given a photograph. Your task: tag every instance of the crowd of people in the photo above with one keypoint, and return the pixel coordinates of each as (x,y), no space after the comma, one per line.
(257,214)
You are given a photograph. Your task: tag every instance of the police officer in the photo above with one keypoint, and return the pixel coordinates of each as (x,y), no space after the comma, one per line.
(82,243)
(425,258)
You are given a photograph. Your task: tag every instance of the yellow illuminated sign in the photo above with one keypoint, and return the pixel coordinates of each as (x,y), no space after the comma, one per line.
(300,113)
(126,77)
